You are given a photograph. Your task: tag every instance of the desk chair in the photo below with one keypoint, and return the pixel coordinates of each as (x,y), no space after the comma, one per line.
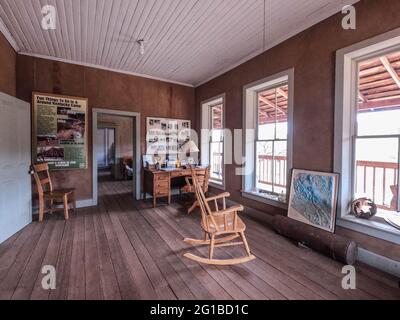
(47,194)
(203,180)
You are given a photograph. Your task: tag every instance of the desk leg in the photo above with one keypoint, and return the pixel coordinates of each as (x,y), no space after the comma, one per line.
(169,191)
(154,201)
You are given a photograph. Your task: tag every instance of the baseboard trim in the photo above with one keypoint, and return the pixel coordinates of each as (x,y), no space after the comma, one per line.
(80,204)
(85,203)
(379,262)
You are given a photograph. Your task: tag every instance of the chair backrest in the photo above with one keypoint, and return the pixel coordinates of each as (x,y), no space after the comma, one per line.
(393,204)
(201,198)
(206,180)
(203,178)
(42,178)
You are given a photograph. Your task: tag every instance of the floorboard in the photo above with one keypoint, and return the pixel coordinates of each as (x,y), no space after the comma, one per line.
(125,249)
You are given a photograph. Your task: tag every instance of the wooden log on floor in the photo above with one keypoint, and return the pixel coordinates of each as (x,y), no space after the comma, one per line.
(337,247)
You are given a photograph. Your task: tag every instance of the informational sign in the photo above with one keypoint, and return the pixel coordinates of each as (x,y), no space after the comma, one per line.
(60,131)
(167,136)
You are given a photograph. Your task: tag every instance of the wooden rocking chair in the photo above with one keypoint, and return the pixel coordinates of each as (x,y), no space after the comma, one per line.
(220,228)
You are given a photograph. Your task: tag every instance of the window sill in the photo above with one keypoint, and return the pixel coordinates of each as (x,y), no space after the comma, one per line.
(217,186)
(263,199)
(376,227)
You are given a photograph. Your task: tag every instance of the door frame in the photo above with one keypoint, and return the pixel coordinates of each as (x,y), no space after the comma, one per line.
(136,117)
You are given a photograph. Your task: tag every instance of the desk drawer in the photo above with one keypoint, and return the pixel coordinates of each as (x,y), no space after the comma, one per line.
(161,185)
(164,192)
(178,174)
(161,177)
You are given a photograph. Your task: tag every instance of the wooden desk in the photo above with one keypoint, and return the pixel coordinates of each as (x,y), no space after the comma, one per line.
(157,183)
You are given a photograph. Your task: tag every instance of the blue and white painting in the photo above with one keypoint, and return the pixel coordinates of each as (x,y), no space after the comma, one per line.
(313,198)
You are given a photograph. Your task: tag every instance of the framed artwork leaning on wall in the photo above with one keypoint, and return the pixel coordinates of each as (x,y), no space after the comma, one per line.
(313,198)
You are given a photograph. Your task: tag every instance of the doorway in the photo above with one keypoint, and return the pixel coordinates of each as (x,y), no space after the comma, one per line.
(116,153)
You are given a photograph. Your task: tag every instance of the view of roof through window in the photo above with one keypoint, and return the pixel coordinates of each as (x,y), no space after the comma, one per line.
(378,130)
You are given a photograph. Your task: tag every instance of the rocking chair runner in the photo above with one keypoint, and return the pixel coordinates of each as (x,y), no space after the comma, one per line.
(220,228)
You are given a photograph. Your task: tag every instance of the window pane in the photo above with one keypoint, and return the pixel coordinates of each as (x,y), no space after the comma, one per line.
(376,171)
(217,135)
(282,129)
(271,168)
(217,117)
(378,122)
(282,113)
(378,96)
(280,167)
(267,114)
(272,113)
(264,173)
(216,154)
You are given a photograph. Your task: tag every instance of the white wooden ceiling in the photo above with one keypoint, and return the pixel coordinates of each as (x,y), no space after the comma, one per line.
(186,41)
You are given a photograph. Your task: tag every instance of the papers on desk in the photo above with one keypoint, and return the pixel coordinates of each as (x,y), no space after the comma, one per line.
(169,169)
(148,160)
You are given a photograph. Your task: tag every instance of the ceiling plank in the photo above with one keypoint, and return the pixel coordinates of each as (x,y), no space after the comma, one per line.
(388,66)
(283,93)
(362,97)
(269,103)
(187,41)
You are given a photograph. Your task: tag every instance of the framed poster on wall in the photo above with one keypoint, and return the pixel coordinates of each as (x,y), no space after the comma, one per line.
(165,137)
(60,131)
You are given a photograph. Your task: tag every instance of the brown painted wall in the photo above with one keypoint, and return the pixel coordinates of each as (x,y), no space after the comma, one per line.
(312,55)
(8,59)
(104,89)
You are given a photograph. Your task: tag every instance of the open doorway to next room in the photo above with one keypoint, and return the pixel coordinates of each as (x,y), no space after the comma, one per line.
(115,153)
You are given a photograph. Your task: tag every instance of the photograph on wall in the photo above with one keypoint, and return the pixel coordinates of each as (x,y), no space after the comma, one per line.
(313,198)
(166,136)
(60,131)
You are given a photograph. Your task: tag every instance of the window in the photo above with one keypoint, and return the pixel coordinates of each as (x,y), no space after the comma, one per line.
(377,133)
(268,111)
(213,144)
(271,143)
(216,160)
(367,132)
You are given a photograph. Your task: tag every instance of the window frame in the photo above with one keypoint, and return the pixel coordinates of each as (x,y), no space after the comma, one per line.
(206,138)
(250,122)
(346,133)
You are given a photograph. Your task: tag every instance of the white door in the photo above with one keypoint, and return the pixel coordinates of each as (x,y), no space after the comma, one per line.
(15,159)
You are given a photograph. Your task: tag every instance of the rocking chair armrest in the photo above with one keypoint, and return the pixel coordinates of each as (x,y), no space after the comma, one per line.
(220,196)
(228,211)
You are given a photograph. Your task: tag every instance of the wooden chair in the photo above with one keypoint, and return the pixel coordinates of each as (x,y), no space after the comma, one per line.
(220,228)
(393,203)
(203,179)
(127,167)
(47,194)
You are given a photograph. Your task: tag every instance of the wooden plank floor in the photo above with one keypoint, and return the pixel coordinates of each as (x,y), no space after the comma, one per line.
(124,249)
